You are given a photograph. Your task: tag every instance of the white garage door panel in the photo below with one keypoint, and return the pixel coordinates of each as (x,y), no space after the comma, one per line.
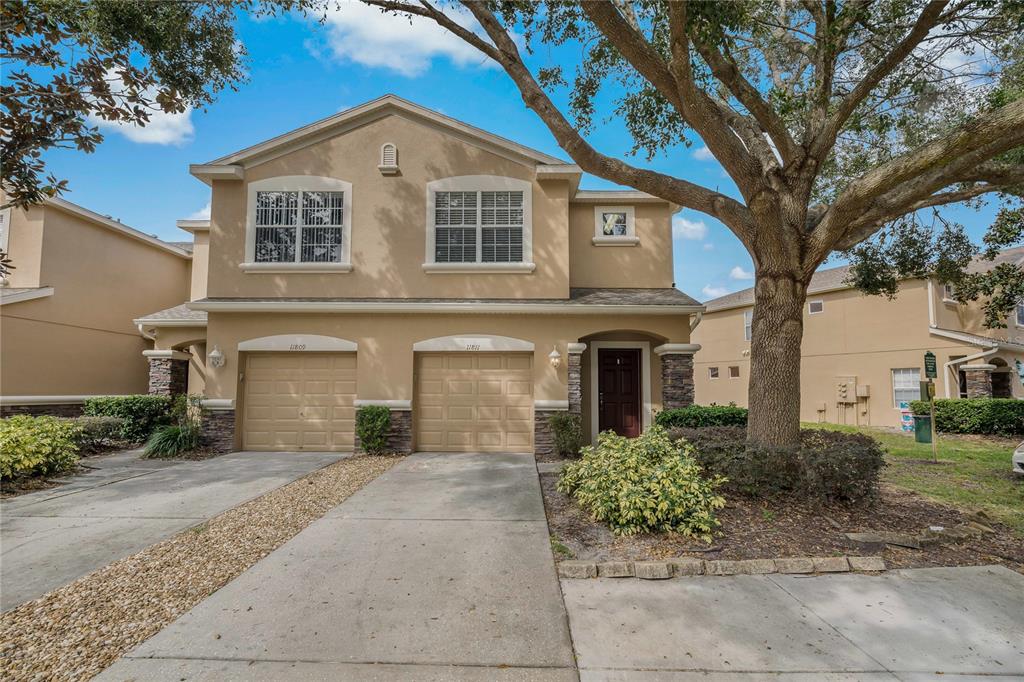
(300,401)
(474,402)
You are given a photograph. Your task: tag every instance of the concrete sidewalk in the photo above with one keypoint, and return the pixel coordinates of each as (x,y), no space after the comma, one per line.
(122,505)
(441,569)
(942,623)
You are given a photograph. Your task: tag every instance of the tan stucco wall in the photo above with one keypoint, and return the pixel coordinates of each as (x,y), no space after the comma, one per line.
(81,340)
(385,356)
(647,264)
(389,220)
(859,336)
(25,246)
(200,266)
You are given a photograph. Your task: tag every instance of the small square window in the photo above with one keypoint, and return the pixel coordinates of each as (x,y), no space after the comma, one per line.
(712,372)
(734,372)
(949,293)
(1020,314)
(815,307)
(614,224)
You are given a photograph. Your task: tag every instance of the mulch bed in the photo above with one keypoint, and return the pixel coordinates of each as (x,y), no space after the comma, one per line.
(785,527)
(76,631)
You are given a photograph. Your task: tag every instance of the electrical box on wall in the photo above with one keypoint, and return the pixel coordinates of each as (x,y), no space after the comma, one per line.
(863,390)
(846,390)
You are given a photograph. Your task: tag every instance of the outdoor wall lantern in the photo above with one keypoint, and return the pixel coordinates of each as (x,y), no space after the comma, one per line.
(555,358)
(216,357)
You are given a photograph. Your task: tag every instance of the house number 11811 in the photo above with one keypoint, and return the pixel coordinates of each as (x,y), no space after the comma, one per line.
(472,346)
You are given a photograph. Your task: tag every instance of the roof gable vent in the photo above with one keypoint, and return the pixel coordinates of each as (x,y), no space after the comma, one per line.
(388,159)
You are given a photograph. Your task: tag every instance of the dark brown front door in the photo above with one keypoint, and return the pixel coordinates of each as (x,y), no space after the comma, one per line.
(618,390)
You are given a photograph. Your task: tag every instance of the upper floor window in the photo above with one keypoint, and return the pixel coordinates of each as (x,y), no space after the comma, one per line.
(748,321)
(815,307)
(479,222)
(299,222)
(1020,314)
(615,225)
(949,293)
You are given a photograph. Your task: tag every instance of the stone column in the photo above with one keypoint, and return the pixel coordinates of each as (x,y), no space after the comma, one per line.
(676,374)
(400,432)
(219,424)
(575,372)
(168,372)
(979,380)
(543,442)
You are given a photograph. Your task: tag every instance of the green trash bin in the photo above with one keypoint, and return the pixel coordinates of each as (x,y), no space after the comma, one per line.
(923,428)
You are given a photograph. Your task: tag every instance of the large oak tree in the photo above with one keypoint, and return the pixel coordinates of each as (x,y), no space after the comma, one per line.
(834,120)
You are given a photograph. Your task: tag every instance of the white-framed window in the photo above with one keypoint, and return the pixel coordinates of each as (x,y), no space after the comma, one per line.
(949,293)
(1020,314)
(299,223)
(906,385)
(734,371)
(712,372)
(479,222)
(5,228)
(815,307)
(748,321)
(615,226)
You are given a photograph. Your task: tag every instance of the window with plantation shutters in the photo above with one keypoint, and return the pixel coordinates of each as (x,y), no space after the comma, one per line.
(478,227)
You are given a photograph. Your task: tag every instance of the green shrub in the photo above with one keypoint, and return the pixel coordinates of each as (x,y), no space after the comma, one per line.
(37,445)
(700,416)
(566,433)
(827,465)
(987,416)
(97,434)
(644,484)
(141,413)
(372,425)
(183,436)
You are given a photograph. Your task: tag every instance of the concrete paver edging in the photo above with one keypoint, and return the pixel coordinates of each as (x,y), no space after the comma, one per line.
(685,566)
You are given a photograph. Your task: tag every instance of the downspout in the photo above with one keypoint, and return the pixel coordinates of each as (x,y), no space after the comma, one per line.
(144,334)
(695,320)
(948,367)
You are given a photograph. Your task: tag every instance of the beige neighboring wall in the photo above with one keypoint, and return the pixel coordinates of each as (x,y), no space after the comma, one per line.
(25,245)
(200,268)
(389,220)
(645,264)
(859,336)
(81,340)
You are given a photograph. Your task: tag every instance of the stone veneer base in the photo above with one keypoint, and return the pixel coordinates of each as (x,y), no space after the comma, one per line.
(53,410)
(219,430)
(676,380)
(543,441)
(168,376)
(399,435)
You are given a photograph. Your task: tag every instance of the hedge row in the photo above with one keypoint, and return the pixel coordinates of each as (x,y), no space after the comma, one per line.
(700,416)
(990,416)
(141,413)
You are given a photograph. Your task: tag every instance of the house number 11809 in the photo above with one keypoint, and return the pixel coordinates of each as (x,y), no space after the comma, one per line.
(297,346)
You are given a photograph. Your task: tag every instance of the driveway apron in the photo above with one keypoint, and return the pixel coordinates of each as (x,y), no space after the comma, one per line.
(439,569)
(123,505)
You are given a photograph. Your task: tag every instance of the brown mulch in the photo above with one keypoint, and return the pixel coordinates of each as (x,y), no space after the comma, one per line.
(784,527)
(76,631)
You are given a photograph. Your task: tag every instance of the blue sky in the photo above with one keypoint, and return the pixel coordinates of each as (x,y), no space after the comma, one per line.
(300,71)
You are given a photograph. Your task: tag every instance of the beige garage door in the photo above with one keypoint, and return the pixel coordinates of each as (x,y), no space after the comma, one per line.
(299,401)
(474,402)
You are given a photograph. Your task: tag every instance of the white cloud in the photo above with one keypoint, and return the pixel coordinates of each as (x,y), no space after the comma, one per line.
(713,292)
(201,214)
(739,273)
(703,154)
(688,229)
(708,246)
(163,128)
(365,35)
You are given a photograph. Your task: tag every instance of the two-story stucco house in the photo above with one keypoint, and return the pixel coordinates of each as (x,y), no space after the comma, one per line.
(66,309)
(862,356)
(392,255)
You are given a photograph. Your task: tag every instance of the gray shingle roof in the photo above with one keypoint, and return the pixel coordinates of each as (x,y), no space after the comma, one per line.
(577,297)
(835,278)
(184,246)
(178,313)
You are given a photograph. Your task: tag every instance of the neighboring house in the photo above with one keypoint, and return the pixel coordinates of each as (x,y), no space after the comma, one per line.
(392,255)
(864,355)
(66,310)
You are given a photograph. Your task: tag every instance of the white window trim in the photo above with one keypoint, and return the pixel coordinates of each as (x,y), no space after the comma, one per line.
(715,378)
(298,183)
(6,216)
(646,413)
(602,239)
(892,383)
(480,183)
(745,336)
(1016,316)
(731,368)
(947,299)
(815,312)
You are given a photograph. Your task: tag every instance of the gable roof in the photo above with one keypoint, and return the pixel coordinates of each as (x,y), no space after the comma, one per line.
(117,226)
(370,111)
(834,279)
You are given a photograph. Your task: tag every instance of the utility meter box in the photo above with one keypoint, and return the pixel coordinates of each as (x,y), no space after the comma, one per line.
(846,390)
(863,390)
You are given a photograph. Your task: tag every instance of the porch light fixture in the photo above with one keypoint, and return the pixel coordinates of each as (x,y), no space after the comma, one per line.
(216,357)
(555,358)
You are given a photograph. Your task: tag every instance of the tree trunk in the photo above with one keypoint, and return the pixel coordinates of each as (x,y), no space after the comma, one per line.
(776,334)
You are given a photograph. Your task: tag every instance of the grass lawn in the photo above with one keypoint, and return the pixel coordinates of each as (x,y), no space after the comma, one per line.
(973,472)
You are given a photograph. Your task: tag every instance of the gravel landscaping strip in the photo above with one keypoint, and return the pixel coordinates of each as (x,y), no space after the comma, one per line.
(75,632)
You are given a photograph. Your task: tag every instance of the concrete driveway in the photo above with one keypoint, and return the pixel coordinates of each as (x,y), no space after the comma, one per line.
(122,505)
(924,624)
(441,569)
